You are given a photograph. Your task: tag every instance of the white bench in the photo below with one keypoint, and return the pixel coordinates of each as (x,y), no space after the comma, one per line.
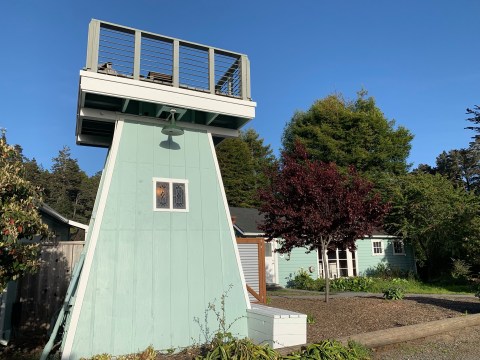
(276,327)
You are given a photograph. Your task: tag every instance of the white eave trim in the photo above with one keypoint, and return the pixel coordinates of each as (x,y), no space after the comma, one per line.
(102,84)
(78,225)
(380,237)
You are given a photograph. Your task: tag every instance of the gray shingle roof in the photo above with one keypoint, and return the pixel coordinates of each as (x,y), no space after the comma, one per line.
(247,220)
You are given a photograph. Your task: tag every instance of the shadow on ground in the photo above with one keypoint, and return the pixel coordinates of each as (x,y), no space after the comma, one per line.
(469,307)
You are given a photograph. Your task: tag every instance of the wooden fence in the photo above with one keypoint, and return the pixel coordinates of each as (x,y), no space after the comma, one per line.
(41,295)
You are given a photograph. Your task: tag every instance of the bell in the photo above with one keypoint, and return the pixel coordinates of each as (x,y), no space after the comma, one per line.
(172,129)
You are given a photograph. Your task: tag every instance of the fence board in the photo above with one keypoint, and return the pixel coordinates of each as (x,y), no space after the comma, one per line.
(40,295)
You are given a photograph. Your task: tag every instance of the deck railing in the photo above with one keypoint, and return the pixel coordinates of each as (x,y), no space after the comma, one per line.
(126,52)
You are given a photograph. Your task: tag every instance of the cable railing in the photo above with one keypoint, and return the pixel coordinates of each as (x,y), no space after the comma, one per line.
(125,52)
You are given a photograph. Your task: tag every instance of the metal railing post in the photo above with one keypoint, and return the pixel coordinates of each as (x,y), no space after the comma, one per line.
(211,70)
(136,55)
(176,63)
(245,76)
(93,45)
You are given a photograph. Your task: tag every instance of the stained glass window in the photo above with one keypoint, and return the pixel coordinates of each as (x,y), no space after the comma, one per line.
(162,193)
(170,195)
(178,192)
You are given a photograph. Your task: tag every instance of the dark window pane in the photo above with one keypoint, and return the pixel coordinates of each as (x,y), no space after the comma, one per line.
(179,201)
(162,195)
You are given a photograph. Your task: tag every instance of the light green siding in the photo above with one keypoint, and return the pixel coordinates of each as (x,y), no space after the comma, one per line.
(366,259)
(298,259)
(154,273)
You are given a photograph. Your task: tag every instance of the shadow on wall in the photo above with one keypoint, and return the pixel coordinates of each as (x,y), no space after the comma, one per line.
(169,144)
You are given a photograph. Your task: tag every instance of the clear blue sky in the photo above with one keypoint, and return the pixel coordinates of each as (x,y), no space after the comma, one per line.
(419,59)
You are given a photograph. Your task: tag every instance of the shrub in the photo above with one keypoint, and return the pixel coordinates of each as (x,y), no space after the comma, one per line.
(385,271)
(304,281)
(332,349)
(460,269)
(394,293)
(356,283)
(232,348)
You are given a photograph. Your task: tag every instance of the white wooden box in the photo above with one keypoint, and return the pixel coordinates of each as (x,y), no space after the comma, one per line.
(276,327)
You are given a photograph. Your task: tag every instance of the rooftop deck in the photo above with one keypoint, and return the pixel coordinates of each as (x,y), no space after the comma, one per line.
(138,73)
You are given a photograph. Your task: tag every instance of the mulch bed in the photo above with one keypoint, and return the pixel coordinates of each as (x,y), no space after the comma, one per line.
(343,316)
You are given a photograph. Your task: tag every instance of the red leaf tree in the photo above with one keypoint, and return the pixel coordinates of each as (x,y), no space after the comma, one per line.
(312,204)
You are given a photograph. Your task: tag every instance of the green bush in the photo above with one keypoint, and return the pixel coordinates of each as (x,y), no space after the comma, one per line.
(394,293)
(460,270)
(332,350)
(385,271)
(356,283)
(241,349)
(304,281)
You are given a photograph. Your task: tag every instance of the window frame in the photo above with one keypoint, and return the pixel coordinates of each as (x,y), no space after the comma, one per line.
(170,194)
(403,247)
(382,247)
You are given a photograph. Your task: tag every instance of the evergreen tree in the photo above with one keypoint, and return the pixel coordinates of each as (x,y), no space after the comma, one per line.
(64,186)
(243,163)
(475,118)
(238,172)
(350,133)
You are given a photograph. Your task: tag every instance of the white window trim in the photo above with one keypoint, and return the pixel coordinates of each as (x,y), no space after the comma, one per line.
(403,247)
(170,192)
(382,246)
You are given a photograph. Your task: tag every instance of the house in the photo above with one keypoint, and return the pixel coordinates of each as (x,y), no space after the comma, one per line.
(380,248)
(32,301)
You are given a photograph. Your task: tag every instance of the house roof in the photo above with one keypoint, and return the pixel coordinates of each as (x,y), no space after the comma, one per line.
(246,220)
(48,210)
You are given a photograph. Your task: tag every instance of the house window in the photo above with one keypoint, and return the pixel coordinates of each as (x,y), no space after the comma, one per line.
(268,249)
(398,247)
(377,247)
(170,195)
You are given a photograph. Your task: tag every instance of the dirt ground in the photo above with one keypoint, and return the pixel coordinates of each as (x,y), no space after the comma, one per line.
(347,315)
(344,316)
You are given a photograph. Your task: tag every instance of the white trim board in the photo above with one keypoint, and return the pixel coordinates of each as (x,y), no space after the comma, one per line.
(229,219)
(91,82)
(84,276)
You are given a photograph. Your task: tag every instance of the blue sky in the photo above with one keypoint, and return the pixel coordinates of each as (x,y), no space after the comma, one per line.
(419,59)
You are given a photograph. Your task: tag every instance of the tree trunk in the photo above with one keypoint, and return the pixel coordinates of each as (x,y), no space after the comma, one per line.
(325,271)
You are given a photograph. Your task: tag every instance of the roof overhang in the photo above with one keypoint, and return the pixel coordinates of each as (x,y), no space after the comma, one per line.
(101,95)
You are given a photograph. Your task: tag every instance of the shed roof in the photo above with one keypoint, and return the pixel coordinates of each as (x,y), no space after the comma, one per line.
(247,220)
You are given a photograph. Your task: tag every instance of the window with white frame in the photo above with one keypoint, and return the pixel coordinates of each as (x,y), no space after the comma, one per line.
(377,247)
(170,195)
(398,247)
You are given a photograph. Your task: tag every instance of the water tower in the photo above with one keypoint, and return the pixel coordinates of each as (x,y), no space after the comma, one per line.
(160,245)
